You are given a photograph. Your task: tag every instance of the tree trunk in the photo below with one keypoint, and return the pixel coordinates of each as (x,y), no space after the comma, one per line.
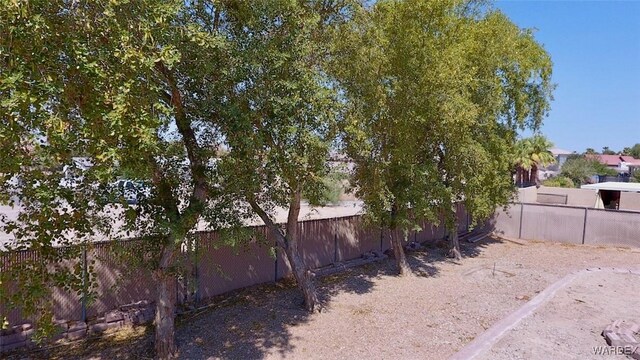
(165,342)
(396,244)
(304,277)
(289,242)
(518,176)
(398,253)
(454,242)
(454,245)
(534,175)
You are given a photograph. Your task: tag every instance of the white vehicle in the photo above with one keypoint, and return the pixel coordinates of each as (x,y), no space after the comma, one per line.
(132,191)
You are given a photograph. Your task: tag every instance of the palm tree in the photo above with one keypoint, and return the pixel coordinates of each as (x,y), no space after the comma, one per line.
(540,156)
(531,154)
(522,161)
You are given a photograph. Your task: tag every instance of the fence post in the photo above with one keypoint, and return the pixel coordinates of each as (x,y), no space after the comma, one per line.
(521,213)
(275,268)
(584,225)
(335,248)
(84,284)
(197,268)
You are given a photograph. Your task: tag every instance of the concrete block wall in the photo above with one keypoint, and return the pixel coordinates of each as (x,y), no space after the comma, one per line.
(575,197)
(629,201)
(133,314)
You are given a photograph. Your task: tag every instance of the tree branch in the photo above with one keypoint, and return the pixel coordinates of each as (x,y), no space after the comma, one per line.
(200,191)
(273,227)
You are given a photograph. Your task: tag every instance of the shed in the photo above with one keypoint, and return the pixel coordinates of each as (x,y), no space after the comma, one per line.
(610,193)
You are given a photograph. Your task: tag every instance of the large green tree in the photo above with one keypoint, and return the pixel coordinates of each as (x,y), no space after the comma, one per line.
(124,87)
(580,169)
(281,122)
(436,92)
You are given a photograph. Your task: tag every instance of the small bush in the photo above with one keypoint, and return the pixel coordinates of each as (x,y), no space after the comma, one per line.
(559,181)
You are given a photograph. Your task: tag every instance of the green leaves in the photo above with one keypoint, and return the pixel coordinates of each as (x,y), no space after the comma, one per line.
(286,109)
(435,93)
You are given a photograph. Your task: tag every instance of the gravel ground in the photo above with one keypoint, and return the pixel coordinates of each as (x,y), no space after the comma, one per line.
(569,326)
(370,313)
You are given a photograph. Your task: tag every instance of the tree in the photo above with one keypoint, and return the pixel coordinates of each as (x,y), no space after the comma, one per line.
(580,169)
(282,126)
(523,161)
(632,151)
(590,151)
(435,94)
(601,169)
(540,156)
(135,87)
(607,151)
(559,181)
(531,153)
(334,187)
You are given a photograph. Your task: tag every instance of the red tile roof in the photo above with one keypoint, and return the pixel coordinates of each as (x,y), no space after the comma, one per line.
(614,160)
(609,160)
(630,160)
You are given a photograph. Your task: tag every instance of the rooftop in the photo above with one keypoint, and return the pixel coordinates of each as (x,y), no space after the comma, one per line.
(558,151)
(615,160)
(616,186)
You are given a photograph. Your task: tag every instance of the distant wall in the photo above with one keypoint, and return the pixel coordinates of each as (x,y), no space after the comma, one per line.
(568,224)
(575,197)
(527,195)
(629,201)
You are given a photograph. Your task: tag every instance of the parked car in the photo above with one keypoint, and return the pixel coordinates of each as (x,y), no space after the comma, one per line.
(132,191)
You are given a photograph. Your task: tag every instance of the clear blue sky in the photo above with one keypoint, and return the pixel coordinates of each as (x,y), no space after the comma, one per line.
(595,48)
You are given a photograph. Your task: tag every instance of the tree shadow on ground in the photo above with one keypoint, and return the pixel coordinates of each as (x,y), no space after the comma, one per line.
(257,321)
(118,344)
(245,324)
(426,262)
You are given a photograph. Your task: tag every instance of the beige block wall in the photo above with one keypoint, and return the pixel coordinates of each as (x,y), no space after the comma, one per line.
(527,195)
(575,197)
(629,201)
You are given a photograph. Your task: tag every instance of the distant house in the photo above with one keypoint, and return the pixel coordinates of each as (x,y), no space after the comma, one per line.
(621,163)
(552,170)
(561,156)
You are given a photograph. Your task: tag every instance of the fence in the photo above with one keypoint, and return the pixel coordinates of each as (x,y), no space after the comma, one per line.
(569,224)
(216,268)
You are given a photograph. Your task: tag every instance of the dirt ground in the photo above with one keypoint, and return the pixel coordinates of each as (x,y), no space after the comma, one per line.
(569,326)
(371,313)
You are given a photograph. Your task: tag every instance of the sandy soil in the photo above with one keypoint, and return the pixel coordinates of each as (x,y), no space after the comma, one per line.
(569,326)
(371,313)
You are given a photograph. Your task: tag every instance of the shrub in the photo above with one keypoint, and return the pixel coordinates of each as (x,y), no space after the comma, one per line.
(559,181)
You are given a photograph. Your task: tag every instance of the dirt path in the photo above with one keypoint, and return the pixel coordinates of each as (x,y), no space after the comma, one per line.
(372,313)
(569,326)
